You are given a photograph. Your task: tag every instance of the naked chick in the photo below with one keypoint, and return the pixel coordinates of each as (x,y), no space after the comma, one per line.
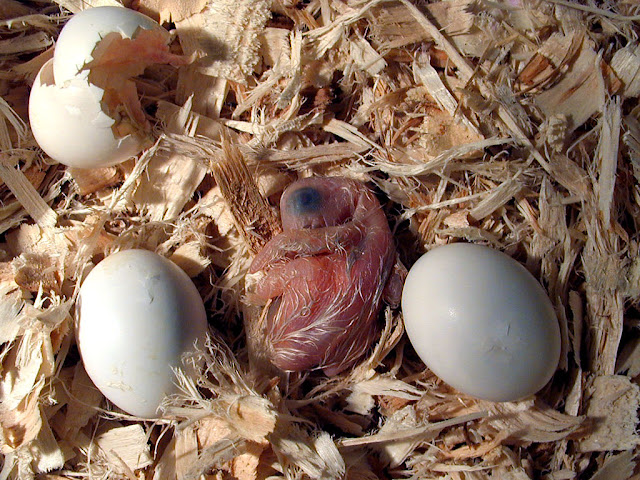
(326,275)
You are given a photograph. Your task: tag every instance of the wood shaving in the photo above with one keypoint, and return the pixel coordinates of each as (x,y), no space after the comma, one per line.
(616,400)
(164,11)
(225,36)
(515,125)
(123,445)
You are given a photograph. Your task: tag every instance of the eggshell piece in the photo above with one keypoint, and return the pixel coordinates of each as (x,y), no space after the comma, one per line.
(137,314)
(481,322)
(79,36)
(70,126)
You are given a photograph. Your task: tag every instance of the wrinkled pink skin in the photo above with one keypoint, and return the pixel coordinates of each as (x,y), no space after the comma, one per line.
(326,274)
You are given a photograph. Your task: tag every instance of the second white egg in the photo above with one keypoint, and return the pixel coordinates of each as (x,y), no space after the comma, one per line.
(138,315)
(481,322)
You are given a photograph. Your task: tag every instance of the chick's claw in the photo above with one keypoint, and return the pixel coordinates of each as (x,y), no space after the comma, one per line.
(325,274)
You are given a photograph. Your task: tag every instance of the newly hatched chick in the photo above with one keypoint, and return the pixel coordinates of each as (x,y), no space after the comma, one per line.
(326,274)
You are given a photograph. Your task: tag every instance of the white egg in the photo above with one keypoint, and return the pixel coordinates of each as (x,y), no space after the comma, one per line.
(66,111)
(481,322)
(85,29)
(137,315)
(70,126)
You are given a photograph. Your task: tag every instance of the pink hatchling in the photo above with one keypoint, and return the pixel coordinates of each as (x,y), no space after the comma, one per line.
(326,275)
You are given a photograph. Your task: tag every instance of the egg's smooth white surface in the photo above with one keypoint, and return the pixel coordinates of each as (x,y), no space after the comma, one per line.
(79,36)
(69,125)
(137,314)
(481,322)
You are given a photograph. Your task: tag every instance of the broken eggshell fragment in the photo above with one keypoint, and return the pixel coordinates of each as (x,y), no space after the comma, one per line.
(81,34)
(70,126)
(84,108)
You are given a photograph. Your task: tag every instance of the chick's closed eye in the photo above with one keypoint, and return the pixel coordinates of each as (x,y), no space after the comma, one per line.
(305,200)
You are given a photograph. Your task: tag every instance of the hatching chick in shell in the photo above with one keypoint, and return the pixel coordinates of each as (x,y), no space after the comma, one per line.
(326,275)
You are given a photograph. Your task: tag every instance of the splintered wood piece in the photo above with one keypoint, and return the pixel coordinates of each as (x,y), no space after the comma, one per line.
(12,9)
(19,45)
(168,184)
(83,403)
(75,6)
(619,466)
(125,447)
(27,194)
(255,219)
(393,25)
(190,258)
(366,57)
(21,383)
(172,177)
(626,65)
(607,155)
(581,90)
(430,78)
(47,452)
(94,179)
(546,64)
(466,74)
(496,198)
(8,116)
(245,466)
(208,94)
(225,37)
(395,453)
(613,403)
(361,399)
(170,10)
(41,257)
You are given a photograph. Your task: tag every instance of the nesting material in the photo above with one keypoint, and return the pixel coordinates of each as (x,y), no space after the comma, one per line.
(515,125)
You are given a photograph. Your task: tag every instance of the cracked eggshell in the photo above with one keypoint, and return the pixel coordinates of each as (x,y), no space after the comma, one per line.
(80,35)
(481,322)
(137,314)
(70,126)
